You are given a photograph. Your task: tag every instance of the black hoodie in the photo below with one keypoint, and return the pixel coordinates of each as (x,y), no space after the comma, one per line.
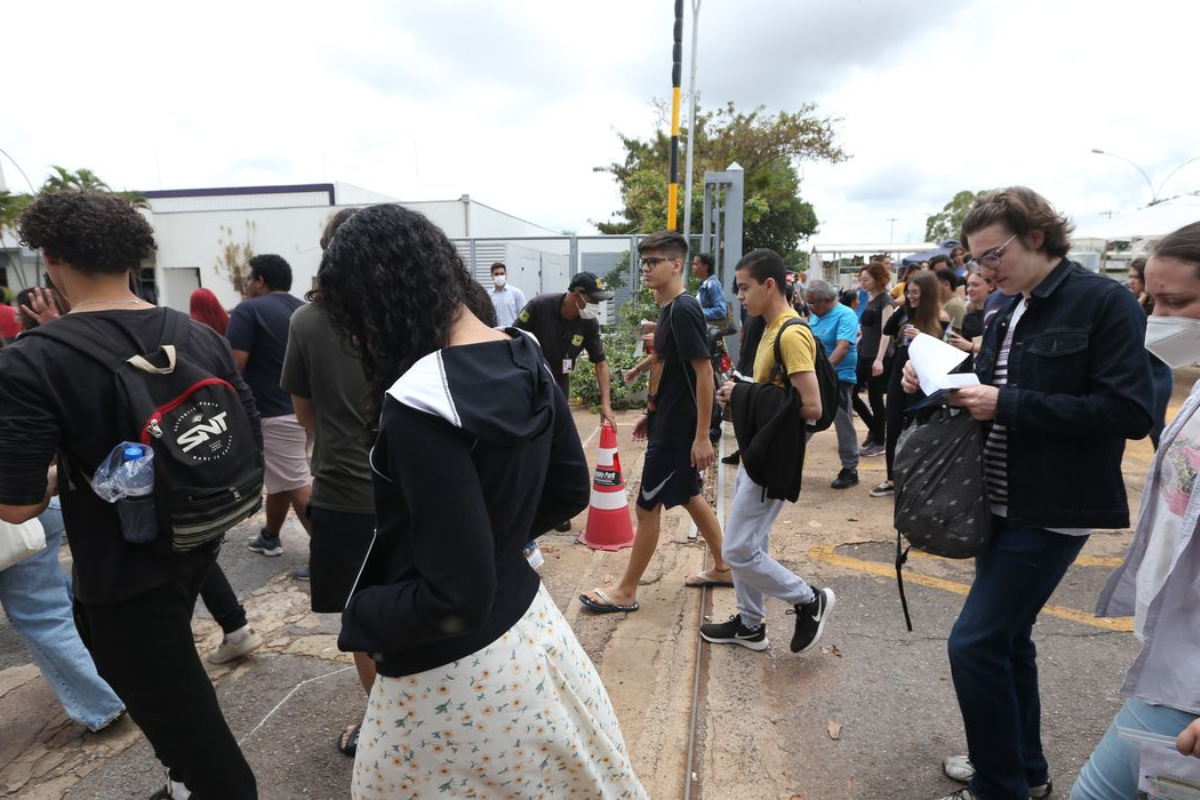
(477,454)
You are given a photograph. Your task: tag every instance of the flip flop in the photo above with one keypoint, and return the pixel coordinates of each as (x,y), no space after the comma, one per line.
(348,744)
(608,606)
(706,579)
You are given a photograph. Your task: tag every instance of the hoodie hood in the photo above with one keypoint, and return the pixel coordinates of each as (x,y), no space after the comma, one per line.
(500,392)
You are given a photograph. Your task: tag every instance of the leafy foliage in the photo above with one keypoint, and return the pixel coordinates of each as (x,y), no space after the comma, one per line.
(60,180)
(767,147)
(947,223)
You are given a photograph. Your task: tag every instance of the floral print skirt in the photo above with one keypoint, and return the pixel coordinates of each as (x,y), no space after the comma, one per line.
(525,717)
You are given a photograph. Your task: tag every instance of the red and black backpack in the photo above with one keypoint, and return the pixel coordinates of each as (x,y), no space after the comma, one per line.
(208,470)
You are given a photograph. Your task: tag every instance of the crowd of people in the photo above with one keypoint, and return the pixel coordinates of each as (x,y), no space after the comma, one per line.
(434,414)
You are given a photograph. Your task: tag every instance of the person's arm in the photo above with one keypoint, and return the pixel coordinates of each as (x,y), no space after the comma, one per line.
(306,413)
(805,384)
(839,351)
(713,306)
(240,359)
(631,375)
(29,436)
(640,427)
(567,488)
(240,334)
(702,449)
(453,547)
(604,381)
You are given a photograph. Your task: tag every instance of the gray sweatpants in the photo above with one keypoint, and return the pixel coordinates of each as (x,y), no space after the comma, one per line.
(747,541)
(843,423)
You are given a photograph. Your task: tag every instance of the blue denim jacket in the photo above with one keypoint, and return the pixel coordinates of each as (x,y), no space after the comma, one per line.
(1078,386)
(712,299)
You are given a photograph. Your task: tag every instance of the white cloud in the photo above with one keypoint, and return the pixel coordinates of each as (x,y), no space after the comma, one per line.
(515,103)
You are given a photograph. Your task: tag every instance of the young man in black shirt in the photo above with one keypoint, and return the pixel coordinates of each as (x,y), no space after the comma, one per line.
(677,423)
(133,606)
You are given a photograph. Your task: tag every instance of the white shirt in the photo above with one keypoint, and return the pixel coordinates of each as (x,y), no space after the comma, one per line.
(508,302)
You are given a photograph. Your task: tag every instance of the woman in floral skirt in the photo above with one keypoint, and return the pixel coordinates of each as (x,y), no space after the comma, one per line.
(483,690)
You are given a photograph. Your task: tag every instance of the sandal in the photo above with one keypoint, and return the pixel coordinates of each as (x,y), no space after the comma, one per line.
(607,606)
(709,579)
(347,741)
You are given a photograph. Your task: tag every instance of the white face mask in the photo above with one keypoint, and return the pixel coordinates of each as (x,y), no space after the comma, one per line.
(1175,340)
(589,311)
(499,280)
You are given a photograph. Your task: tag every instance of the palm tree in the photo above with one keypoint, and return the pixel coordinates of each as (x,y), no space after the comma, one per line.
(84,180)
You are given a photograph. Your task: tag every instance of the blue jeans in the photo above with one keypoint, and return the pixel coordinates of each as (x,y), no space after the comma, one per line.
(993,660)
(37,600)
(1112,771)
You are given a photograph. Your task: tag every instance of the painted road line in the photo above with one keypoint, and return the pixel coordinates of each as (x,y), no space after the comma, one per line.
(827,554)
(1082,561)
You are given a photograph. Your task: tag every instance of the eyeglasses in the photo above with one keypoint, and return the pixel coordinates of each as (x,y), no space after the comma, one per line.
(991,259)
(651,262)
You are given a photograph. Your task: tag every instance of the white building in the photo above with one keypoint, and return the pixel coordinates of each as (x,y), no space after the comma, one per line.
(195,227)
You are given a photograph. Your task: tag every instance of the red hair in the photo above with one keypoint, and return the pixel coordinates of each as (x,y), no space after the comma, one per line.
(207,309)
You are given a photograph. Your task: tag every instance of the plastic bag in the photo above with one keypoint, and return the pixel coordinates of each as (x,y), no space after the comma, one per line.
(126,478)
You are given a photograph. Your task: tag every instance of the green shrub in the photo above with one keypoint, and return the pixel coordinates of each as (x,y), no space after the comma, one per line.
(621,341)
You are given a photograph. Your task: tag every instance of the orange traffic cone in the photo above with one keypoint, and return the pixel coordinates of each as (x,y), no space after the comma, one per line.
(608,524)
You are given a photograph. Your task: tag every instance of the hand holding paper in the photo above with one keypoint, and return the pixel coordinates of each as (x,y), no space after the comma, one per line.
(932,359)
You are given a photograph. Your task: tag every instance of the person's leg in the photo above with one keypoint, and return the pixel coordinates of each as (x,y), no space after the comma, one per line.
(36,600)
(992,664)
(143,647)
(895,414)
(755,572)
(645,542)
(865,413)
(843,423)
(299,501)
(221,602)
(1112,769)
(875,389)
(709,527)
(277,506)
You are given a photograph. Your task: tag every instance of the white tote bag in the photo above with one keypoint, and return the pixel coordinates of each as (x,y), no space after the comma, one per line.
(19,542)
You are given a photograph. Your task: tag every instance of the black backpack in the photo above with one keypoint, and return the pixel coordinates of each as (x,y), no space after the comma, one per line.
(827,379)
(208,471)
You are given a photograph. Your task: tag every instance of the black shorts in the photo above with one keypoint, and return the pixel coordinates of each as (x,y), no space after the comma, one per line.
(668,477)
(339,544)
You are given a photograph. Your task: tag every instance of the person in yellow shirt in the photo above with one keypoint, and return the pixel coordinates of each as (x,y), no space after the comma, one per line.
(761,278)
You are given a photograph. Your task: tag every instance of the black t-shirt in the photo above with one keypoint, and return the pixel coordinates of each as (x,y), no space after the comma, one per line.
(678,338)
(872,326)
(259,326)
(972,324)
(53,398)
(561,339)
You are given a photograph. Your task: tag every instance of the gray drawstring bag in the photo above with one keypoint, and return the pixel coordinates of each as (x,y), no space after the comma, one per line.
(941,496)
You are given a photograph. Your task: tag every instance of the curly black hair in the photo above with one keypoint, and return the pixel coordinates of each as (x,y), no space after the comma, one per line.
(274,270)
(394,285)
(93,232)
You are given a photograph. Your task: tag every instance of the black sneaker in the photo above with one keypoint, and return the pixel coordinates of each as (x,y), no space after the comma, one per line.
(810,620)
(733,459)
(266,544)
(845,479)
(732,631)
(563,527)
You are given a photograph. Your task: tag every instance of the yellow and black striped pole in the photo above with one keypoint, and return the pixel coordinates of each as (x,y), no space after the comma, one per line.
(676,72)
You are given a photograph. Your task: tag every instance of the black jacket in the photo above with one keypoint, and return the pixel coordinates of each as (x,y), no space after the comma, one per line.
(771,436)
(1078,386)
(477,453)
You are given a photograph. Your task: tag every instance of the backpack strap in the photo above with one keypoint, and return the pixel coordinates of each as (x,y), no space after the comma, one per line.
(780,368)
(113,353)
(901,557)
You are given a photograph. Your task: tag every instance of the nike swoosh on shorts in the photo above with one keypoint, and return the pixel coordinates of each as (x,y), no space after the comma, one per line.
(650,494)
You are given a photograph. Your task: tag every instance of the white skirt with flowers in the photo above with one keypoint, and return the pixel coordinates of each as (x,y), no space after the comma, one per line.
(525,717)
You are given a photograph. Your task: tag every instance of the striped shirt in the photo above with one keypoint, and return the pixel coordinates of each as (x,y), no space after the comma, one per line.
(995,449)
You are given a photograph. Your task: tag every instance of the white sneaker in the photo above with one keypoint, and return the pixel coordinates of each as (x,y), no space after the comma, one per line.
(960,768)
(238,644)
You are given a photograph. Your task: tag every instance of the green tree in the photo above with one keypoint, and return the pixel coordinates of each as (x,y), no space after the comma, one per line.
(768,148)
(947,223)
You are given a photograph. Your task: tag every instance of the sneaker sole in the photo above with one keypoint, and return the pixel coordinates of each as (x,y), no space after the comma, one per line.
(271,553)
(749,645)
(832,601)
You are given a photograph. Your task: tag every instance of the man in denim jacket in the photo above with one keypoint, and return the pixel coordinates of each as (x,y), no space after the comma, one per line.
(1065,381)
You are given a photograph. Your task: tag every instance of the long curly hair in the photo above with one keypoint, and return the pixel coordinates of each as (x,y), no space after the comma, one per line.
(393,284)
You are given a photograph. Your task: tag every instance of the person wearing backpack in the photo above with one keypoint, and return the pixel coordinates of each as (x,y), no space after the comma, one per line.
(761,278)
(133,602)
(1064,380)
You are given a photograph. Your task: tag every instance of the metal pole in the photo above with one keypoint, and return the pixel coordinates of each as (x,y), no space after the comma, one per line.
(676,69)
(687,190)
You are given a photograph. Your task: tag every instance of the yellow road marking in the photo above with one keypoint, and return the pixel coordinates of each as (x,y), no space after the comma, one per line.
(1083,561)
(826,553)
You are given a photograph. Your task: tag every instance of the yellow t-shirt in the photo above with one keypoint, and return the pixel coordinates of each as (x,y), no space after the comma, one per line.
(898,290)
(798,348)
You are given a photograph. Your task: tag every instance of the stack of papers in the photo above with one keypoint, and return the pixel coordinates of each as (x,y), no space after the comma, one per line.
(933,360)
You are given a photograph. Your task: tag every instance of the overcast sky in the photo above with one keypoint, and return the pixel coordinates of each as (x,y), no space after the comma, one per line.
(516,102)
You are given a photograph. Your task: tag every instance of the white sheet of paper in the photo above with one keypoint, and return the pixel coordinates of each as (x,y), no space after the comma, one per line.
(933,359)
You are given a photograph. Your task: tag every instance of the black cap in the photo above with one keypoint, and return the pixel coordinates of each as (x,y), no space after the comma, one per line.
(590,285)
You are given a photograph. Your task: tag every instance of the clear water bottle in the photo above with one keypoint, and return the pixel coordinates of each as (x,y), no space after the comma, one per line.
(134,479)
